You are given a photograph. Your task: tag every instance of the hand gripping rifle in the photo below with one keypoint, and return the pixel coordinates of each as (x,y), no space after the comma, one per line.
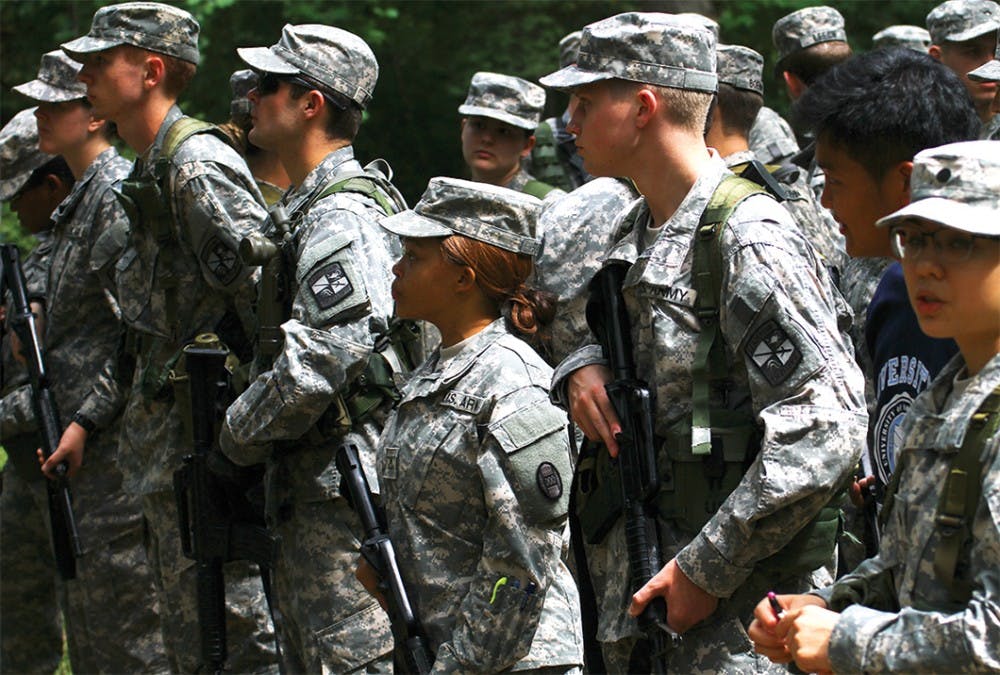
(217,524)
(633,401)
(377,549)
(65,537)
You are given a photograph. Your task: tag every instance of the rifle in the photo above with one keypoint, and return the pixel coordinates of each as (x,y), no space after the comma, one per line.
(217,523)
(633,401)
(377,549)
(65,537)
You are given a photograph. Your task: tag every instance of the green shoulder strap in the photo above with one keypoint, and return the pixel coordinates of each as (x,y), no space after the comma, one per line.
(960,496)
(537,188)
(710,355)
(361,184)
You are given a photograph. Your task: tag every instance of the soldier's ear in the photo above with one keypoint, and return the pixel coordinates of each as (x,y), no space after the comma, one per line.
(647,106)
(154,70)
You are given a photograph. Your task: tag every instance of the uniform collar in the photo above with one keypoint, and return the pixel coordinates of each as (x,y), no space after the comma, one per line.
(426,379)
(337,162)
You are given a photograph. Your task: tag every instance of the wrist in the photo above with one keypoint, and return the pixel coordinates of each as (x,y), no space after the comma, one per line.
(85,422)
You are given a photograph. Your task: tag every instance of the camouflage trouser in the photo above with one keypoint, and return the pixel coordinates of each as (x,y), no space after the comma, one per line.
(250,636)
(30,630)
(110,608)
(330,623)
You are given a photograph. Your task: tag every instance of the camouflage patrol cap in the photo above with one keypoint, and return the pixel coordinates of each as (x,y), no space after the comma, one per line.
(490,214)
(914,37)
(647,47)
(741,67)
(160,28)
(56,81)
(332,58)
(505,98)
(19,153)
(956,185)
(989,71)
(807,27)
(240,83)
(569,47)
(961,20)
(700,20)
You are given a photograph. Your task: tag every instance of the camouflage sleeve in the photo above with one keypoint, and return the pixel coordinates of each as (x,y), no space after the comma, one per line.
(326,346)
(584,356)
(36,270)
(781,327)
(17,416)
(218,210)
(523,463)
(106,396)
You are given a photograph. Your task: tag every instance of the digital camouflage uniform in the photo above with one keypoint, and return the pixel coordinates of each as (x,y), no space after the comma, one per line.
(772,138)
(575,231)
(513,101)
(914,37)
(171,286)
(783,325)
(111,624)
(475,469)
(989,72)
(929,600)
(341,297)
(30,622)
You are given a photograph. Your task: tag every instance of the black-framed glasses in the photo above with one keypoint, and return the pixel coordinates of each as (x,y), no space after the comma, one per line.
(951,246)
(268,83)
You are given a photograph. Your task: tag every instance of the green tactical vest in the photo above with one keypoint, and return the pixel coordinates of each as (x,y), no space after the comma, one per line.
(146,199)
(710,450)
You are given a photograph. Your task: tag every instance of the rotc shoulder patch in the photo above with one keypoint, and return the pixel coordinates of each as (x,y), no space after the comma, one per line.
(549,481)
(329,285)
(773,352)
(221,260)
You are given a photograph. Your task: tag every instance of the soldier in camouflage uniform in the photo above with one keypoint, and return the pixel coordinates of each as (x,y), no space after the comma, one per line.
(930,600)
(741,89)
(990,72)
(31,626)
(267,169)
(110,622)
(964,37)
(499,117)
(314,84)
(190,200)
(911,37)
(788,367)
(474,463)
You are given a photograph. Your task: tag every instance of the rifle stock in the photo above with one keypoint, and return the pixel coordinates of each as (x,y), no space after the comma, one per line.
(633,402)
(65,536)
(377,549)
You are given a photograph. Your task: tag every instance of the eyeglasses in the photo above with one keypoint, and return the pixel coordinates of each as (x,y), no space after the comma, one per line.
(951,246)
(268,83)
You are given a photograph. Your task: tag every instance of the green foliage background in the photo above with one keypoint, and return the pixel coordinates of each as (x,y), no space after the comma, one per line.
(428,51)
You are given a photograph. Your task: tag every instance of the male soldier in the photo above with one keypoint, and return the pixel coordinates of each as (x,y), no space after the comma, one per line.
(990,72)
(553,159)
(645,82)
(865,145)
(33,182)
(741,93)
(110,622)
(190,199)
(267,169)
(964,36)
(320,392)
(913,37)
(499,118)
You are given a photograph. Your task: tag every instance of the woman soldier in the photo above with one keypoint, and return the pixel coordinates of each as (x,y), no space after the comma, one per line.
(930,600)
(474,462)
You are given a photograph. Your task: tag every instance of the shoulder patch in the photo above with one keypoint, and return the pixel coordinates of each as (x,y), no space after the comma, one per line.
(773,352)
(464,402)
(220,259)
(549,481)
(329,285)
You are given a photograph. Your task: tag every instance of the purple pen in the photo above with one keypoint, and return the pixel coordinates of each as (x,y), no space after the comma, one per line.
(775,606)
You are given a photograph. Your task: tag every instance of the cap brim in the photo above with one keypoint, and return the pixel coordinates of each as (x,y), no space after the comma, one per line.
(974,32)
(266,61)
(41,91)
(988,72)
(415,226)
(571,76)
(513,120)
(88,45)
(956,215)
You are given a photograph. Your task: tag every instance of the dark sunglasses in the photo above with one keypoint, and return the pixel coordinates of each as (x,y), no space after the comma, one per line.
(268,83)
